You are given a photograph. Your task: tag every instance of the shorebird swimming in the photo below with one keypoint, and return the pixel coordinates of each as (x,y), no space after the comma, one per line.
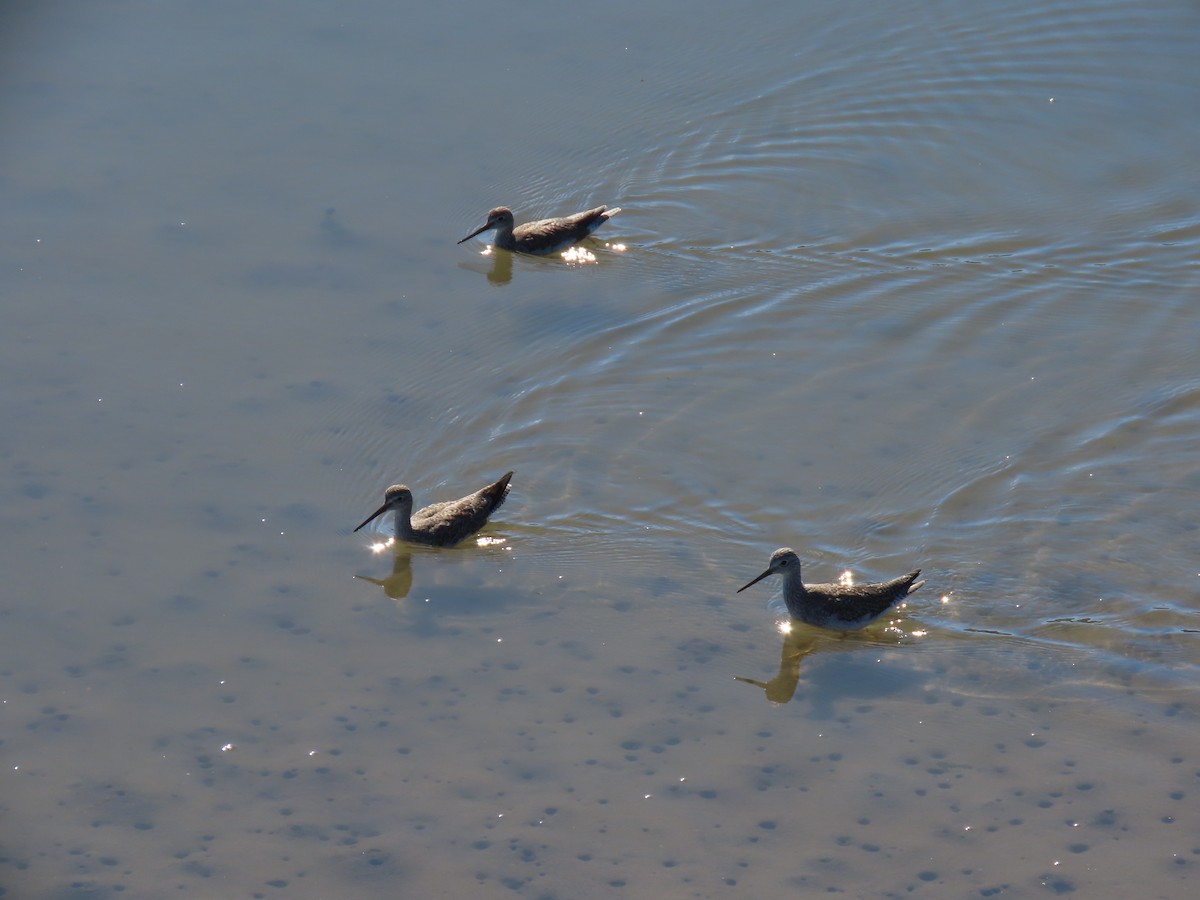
(838,607)
(441,524)
(546,236)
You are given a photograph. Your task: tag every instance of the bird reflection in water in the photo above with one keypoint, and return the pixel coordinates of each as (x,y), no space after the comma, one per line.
(797,644)
(799,640)
(398,584)
(500,262)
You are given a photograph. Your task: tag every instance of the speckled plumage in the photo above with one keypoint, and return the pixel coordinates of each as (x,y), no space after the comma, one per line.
(441,524)
(837,607)
(543,237)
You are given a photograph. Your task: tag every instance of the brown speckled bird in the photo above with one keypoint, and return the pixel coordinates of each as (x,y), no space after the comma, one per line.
(441,524)
(543,237)
(838,607)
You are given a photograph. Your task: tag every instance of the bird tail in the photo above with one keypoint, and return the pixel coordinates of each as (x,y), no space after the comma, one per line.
(609,213)
(498,492)
(912,576)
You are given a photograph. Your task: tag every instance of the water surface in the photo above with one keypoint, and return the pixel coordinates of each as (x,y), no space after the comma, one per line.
(902,286)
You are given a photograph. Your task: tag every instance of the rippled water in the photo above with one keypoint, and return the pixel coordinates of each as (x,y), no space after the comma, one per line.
(896,286)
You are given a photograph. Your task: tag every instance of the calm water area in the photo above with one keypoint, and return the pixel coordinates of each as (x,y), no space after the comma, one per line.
(898,285)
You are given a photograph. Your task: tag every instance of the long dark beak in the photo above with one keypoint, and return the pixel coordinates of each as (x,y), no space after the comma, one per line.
(375,515)
(743,587)
(480,230)
(761,684)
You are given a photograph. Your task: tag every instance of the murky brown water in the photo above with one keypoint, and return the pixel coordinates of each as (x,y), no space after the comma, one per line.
(902,286)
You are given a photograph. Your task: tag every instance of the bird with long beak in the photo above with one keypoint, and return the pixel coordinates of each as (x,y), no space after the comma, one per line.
(441,524)
(838,607)
(545,236)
